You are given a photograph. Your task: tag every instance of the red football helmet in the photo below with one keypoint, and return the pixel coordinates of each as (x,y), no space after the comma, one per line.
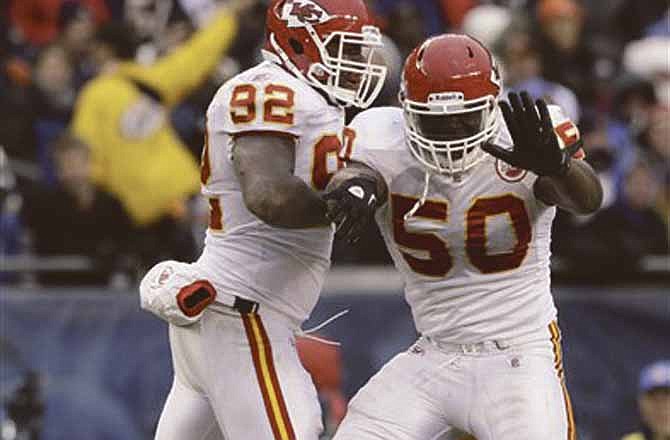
(449,93)
(329,44)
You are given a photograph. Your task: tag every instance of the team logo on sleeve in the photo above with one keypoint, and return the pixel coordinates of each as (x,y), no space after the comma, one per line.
(164,276)
(509,173)
(298,13)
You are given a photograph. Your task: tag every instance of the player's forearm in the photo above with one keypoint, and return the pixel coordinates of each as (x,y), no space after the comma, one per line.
(578,191)
(289,203)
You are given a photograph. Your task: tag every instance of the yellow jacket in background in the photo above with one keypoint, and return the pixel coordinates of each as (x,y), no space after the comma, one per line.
(135,152)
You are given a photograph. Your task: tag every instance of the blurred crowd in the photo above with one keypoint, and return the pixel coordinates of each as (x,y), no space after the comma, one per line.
(103,105)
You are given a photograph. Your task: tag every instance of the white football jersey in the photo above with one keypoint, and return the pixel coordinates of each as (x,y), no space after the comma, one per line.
(279,268)
(475,256)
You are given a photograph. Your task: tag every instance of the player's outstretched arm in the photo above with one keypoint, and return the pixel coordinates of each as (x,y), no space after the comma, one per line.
(578,190)
(563,181)
(353,195)
(264,165)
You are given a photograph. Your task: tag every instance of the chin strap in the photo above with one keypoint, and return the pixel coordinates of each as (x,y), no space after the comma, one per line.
(422,200)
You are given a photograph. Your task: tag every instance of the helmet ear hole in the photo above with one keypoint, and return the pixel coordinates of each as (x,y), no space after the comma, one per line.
(296,46)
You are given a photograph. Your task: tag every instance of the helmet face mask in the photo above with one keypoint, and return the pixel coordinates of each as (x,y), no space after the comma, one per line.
(333,53)
(450,107)
(445,136)
(352,76)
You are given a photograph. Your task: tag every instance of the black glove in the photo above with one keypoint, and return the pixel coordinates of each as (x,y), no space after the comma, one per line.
(536,145)
(351,206)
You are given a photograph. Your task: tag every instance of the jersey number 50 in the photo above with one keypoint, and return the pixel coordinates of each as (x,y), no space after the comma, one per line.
(439,261)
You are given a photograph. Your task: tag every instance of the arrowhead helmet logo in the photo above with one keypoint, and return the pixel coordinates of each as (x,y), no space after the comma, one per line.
(299,13)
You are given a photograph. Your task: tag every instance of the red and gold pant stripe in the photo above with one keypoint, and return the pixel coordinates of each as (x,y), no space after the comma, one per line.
(558,365)
(266,374)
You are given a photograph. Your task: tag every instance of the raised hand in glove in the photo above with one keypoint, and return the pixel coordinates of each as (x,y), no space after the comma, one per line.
(536,146)
(351,206)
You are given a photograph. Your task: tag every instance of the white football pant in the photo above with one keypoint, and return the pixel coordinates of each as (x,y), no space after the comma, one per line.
(496,391)
(238,377)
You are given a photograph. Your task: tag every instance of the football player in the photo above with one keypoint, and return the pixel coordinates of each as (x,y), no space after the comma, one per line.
(273,134)
(469,186)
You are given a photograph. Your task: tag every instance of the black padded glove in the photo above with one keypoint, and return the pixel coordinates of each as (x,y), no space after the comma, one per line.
(536,146)
(351,206)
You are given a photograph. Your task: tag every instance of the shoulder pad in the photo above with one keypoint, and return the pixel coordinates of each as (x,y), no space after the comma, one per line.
(266,98)
(379,128)
(380,141)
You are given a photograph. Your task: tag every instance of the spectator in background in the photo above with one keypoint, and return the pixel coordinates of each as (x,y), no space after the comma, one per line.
(405,24)
(11,233)
(656,142)
(52,96)
(54,85)
(455,11)
(618,236)
(77,218)
(16,129)
(566,59)
(123,115)
(654,402)
(425,15)
(632,18)
(148,17)
(162,35)
(612,147)
(656,138)
(487,23)
(648,58)
(39,96)
(632,103)
(37,22)
(246,51)
(522,70)
(78,25)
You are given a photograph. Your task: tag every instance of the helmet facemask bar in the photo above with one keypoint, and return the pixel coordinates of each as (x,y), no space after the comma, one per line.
(453,156)
(333,75)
